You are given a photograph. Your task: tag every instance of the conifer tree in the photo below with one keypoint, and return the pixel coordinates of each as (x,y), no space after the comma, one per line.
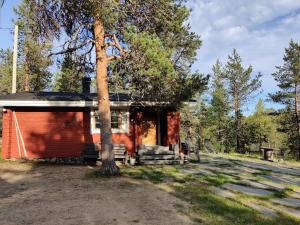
(219,110)
(69,78)
(33,52)
(6,58)
(288,79)
(241,87)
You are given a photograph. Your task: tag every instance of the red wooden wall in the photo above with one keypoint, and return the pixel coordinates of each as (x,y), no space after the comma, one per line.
(58,132)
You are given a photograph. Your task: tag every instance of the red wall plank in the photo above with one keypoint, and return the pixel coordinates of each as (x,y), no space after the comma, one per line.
(173,126)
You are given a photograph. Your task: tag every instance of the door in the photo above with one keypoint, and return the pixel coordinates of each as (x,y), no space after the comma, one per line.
(149,130)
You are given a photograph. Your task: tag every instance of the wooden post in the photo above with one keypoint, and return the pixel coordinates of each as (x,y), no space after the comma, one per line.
(15,58)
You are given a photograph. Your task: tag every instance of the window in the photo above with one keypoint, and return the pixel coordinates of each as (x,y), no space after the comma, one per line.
(119,121)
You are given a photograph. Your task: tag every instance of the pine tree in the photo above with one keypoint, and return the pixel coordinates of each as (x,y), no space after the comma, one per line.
(259,126)
(33,52)
(69,78)
(288,79)
(241,87)
(219,110)
(6,58)
(149,40)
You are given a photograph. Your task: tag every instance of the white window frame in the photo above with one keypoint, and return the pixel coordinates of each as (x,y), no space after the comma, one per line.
(124,126)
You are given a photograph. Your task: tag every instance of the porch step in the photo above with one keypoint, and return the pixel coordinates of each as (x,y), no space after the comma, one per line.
(155,149)
(158,155)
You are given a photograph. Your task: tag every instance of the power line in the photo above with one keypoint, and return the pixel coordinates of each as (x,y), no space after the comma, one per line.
(6,28)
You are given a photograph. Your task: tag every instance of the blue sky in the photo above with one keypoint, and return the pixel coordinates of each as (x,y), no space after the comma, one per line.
(258,29)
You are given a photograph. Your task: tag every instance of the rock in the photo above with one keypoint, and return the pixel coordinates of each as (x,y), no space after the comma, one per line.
(247,190)
(223,193)
(293,202)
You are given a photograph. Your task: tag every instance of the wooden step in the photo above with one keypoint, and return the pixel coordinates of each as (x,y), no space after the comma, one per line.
(155,152)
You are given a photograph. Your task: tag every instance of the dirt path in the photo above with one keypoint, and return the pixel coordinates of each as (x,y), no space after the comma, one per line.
(65,195)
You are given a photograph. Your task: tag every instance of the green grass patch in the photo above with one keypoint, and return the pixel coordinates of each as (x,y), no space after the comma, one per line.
(217,180)
(284,193)
(1,160)
(262,172)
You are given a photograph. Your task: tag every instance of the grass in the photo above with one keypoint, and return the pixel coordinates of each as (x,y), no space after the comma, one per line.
(284,193)
(257,157)
(205,207)
(262,172)
(1,160)
(218,179)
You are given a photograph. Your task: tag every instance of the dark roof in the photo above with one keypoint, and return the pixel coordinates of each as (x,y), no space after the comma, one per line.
(62,96)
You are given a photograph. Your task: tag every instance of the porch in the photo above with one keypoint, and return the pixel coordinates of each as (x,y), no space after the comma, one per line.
(156,133)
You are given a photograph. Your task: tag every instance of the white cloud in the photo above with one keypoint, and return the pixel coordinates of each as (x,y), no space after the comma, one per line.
(258,29)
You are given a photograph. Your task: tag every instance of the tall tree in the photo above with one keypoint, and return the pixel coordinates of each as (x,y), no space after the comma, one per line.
(150,41)
(219,110)
(241,87)
(33,52)
(259,126)
(288,79)
(5,70)
(69,78)
(6,58)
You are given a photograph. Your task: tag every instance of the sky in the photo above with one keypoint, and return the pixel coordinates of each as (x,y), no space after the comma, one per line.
(258,29)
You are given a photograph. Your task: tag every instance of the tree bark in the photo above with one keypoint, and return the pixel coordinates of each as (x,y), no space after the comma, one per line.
(108,167)
(297,119)
(26,70)
(238,130)
(26,78)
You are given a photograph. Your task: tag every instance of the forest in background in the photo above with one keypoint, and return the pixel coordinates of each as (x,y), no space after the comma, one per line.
(215,123)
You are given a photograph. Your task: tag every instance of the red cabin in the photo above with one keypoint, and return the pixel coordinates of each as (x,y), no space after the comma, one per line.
(61,125)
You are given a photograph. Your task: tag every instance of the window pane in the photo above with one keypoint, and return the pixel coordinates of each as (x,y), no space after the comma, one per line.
(97,125)
(115,119)
(119,119)
(97,122)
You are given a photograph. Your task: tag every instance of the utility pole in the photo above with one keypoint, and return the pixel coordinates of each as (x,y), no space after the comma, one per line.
(15,58)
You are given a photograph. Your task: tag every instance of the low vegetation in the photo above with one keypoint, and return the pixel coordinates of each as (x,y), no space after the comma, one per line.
(205,207)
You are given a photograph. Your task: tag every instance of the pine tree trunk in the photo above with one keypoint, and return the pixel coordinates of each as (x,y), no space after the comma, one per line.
(109,167)
(26,70)
(297,119)
(237,130)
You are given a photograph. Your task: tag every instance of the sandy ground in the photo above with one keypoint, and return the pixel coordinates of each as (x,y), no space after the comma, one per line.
(51,194)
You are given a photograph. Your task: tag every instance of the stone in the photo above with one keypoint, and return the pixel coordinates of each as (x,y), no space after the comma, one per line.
(289,211)
(262,209)
(254,184)
(247,190)
(273,185)
(293,202)
(223,193)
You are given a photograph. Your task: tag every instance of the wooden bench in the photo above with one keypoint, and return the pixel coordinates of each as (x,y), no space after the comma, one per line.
(120,152)
(268,153)
(92,152)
